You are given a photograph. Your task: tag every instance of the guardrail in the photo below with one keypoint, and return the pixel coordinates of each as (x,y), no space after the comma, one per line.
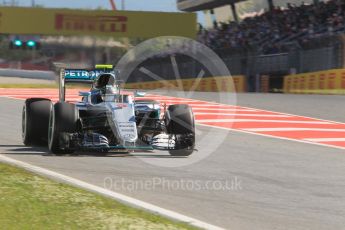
(321,82)
(272,63)
(207,84)
(33,74)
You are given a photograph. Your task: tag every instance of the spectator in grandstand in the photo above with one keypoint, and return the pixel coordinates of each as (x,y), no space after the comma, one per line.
(270,30)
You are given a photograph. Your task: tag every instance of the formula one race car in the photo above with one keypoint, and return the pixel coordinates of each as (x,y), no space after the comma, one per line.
(106,119)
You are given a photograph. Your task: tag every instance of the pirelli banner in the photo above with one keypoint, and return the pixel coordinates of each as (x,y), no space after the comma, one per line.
(45,21)
(209,84)
(321,82)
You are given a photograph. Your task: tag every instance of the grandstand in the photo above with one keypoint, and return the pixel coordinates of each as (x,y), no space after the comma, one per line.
(197,5)
(280,38)
(297,38)
(271,30)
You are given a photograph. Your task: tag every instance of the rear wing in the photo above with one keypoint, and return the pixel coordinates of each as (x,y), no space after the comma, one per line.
(80,76)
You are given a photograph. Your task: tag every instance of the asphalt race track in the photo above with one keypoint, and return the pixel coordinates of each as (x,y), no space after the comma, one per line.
(285,171)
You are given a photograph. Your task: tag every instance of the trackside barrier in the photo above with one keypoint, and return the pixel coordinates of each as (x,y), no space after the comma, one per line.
(321,82)
(33,74)
(209,84)
(121,24)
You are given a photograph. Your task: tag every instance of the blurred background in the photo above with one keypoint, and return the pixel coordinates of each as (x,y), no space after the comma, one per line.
(261,40)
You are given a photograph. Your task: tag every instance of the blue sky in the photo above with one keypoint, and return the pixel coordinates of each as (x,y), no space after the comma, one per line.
(145,5)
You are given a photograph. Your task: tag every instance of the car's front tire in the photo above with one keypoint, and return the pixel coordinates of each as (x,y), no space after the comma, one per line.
(35,120)
(63,119)
(179,120)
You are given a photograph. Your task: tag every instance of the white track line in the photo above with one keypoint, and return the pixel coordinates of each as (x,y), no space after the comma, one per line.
(256,120)
(229,110)
(241,114)
(117,196)
(319,119)
(292,129)
(264,110)
(35,95)
(174,101)
(275,137)
(205,105)
(22,99)
(325,139)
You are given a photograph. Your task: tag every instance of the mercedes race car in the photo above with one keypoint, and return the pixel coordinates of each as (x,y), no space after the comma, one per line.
(106,118)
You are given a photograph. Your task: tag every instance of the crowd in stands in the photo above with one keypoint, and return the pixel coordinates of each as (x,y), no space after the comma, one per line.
(269,31)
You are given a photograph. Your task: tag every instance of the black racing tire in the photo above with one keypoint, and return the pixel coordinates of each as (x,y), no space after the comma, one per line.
(35,120)
(179,121)
(63,118)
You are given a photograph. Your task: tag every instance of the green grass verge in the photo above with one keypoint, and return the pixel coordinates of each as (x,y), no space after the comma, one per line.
(29,201)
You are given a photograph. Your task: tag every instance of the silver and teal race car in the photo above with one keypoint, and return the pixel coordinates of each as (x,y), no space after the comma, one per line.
(106,118)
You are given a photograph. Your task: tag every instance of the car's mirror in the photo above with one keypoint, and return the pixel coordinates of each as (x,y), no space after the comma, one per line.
(139,94)
(84,94)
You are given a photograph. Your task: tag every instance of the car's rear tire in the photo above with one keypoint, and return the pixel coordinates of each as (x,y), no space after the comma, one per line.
(63,119)
(179,120)
(35,120)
